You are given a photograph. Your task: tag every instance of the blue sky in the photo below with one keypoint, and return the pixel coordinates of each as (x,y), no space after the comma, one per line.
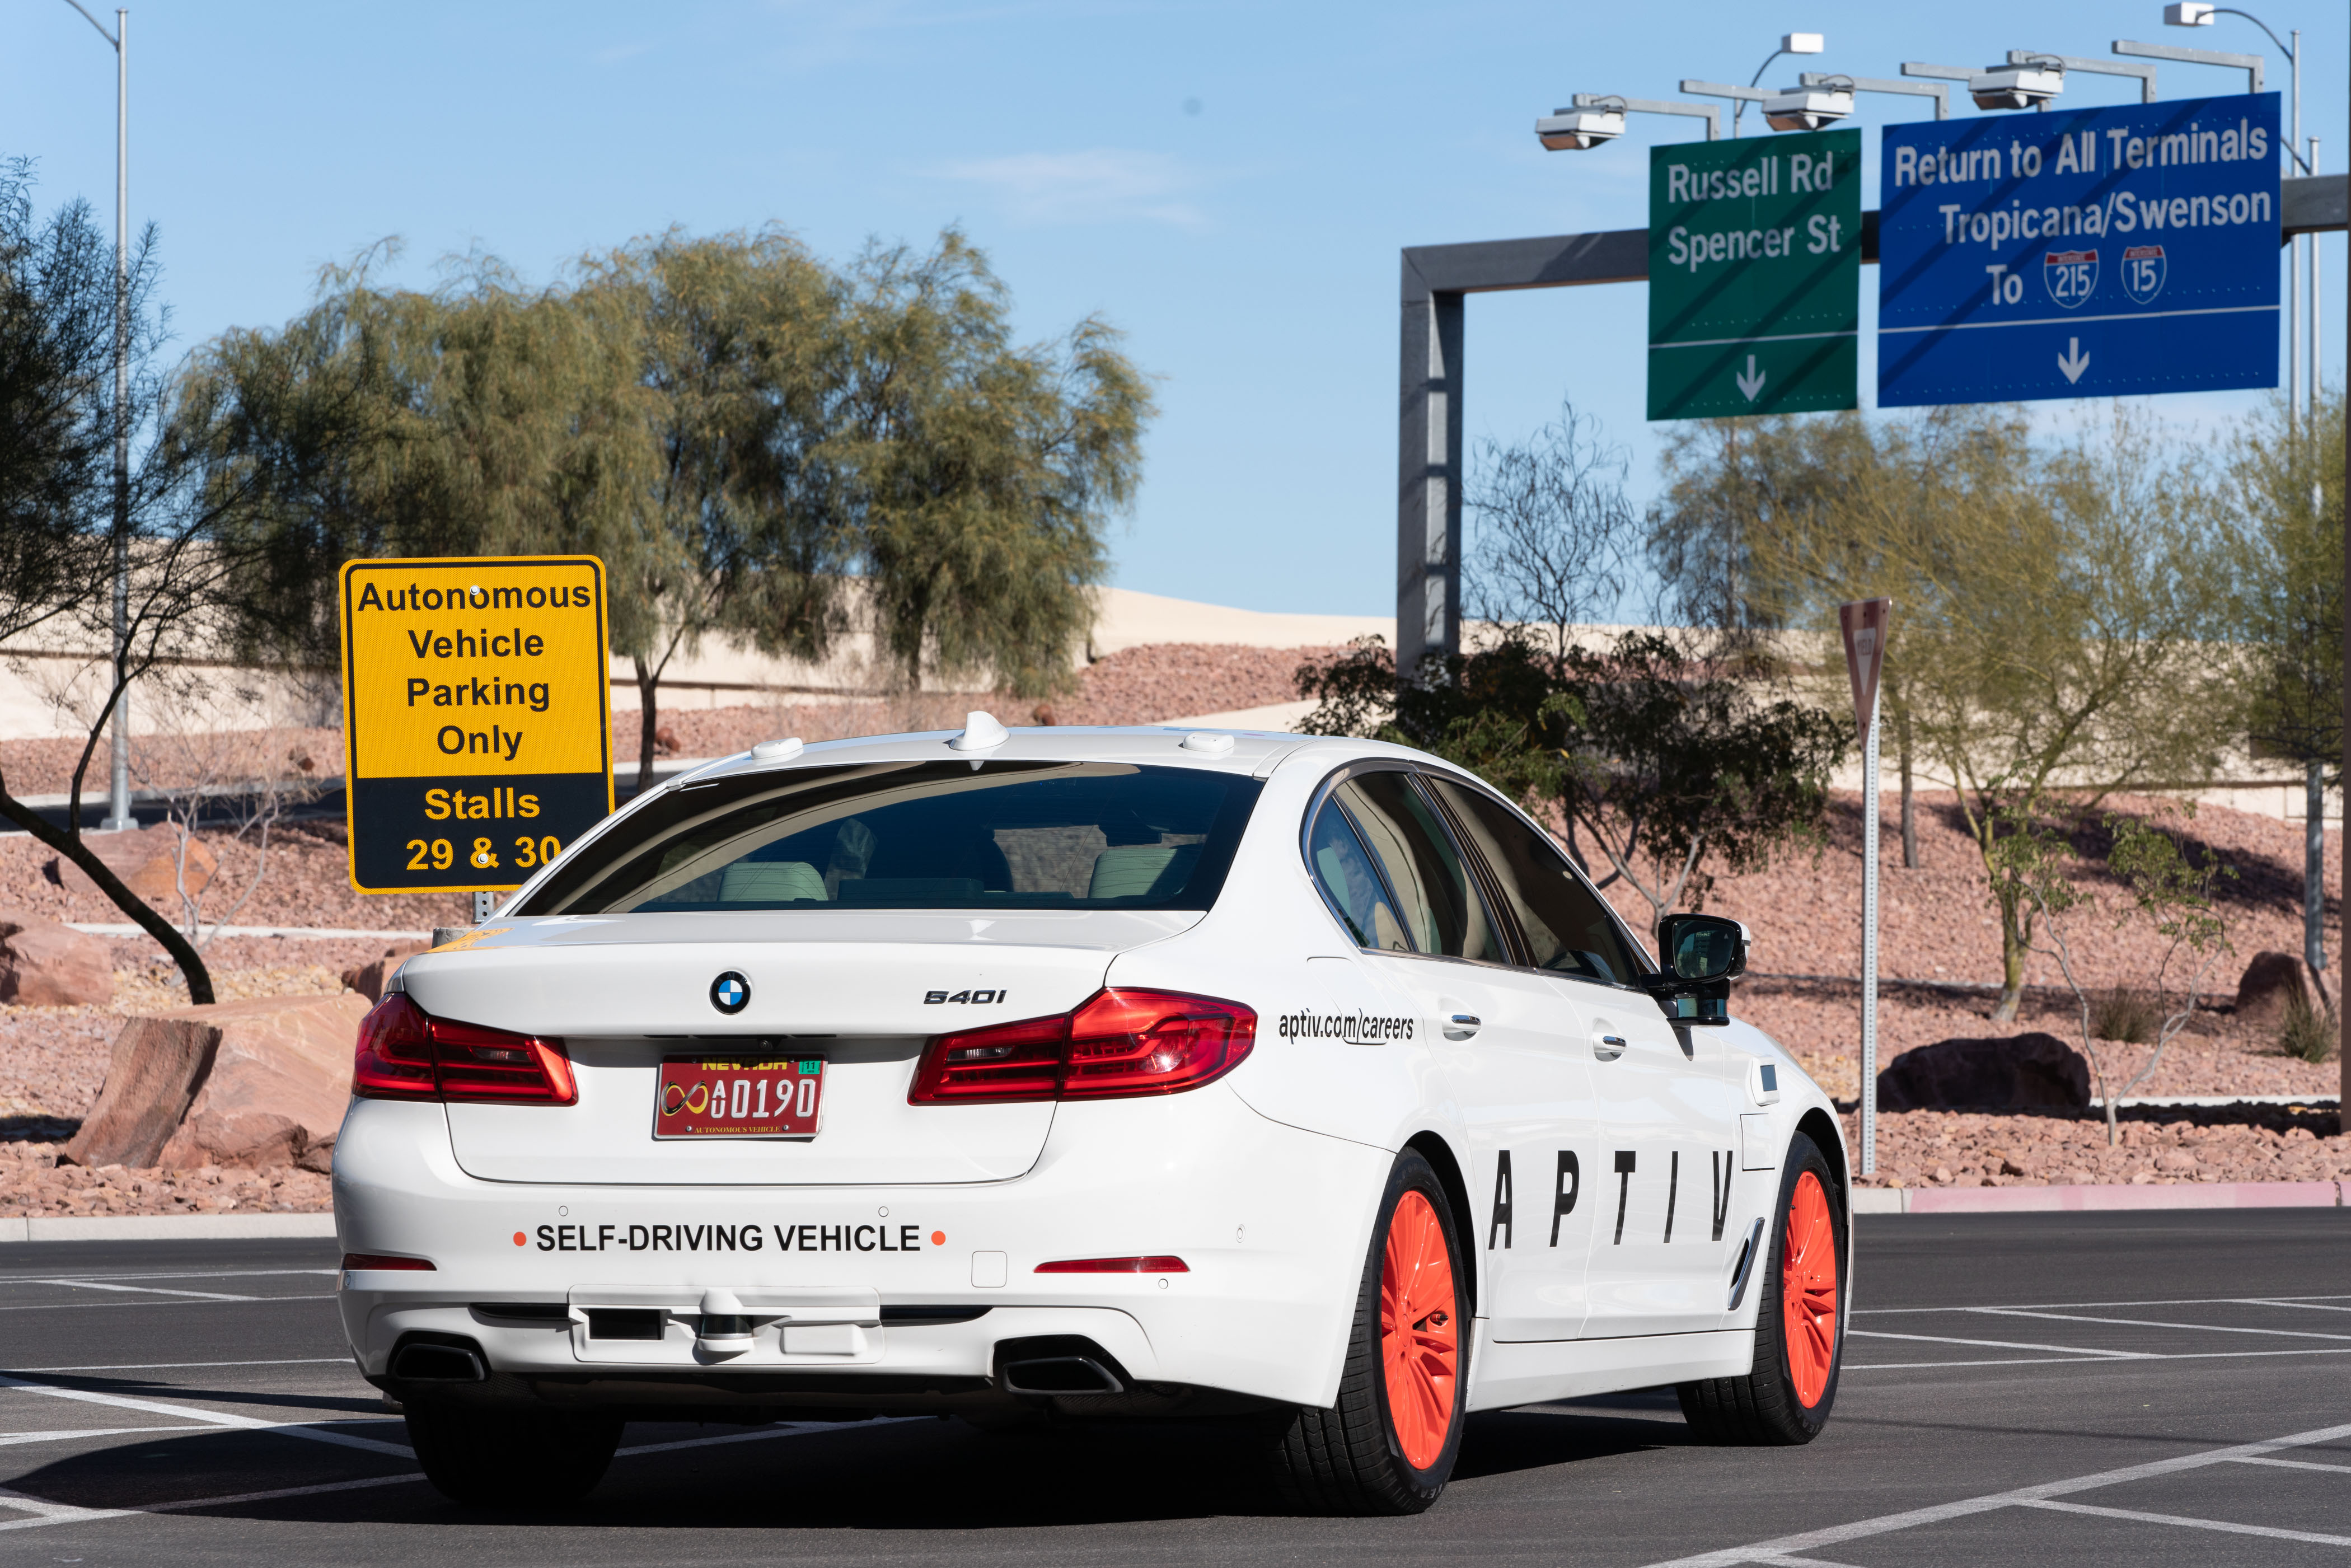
(1230,184)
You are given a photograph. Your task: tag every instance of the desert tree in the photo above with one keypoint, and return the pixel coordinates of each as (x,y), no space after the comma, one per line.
(2059,609)
(975,475)
(1551,534)
(2169,891)
(2279,503)
(58,499)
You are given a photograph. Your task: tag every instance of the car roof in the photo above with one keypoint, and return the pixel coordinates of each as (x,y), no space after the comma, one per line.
(1253,751)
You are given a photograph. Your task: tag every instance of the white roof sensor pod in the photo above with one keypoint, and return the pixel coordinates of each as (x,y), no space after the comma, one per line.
(980,732)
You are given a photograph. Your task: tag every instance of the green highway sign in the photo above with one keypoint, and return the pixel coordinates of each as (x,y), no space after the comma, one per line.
(1754,274)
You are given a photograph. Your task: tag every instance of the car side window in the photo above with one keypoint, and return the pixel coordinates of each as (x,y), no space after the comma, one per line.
(1440,904)
(1566,926)
(1351,884)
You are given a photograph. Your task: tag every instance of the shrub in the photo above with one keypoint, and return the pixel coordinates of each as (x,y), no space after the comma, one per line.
(2307,1033)
(2124,1014)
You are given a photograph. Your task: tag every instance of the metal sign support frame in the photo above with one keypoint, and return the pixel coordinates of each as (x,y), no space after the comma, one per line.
(1439,281)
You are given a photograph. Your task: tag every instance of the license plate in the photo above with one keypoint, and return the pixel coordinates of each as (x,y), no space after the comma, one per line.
(703,1099)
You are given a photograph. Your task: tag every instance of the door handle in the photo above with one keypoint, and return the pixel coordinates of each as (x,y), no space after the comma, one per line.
(1460,1026)
(1607,1046)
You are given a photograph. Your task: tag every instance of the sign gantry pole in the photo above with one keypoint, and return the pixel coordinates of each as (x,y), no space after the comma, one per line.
(1864,623)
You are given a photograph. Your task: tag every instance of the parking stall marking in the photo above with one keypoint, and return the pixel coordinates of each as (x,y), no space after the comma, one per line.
(2142,1323)
(44,1512)
(314,1431)
(67,1434)
(142,1290)
(2295,1465)
(2006,1344)
(2078,1306)
(2074,1312)
(2183,1521)
(179,1365)
(1785,1548)
(185,1274)
(2083,1359)
(174,1302)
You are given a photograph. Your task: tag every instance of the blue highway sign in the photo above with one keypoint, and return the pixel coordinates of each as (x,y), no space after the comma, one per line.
(2096,253)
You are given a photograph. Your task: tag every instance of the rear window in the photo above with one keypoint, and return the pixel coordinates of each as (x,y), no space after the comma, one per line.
(917,835)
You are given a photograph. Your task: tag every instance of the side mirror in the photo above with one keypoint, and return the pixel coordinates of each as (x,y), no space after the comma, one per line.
(1702,947)
(1700,953)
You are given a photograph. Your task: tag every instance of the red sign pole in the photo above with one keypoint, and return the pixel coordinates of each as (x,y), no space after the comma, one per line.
(1864,624)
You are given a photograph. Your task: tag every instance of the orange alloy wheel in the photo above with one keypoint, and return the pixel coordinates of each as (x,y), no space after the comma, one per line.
(1419,1338)
(1808,1291)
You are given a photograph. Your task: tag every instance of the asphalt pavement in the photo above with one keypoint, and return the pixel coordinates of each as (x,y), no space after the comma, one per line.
(2043,1389)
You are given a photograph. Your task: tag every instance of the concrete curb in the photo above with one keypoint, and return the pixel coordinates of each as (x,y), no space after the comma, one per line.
(166,1227)
(2098,1199)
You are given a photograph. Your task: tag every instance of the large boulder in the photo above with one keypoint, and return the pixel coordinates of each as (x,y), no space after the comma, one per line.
(147,860)
(2271,983)
(368,978)
(257,1083)
(45,964)
(2015,1072)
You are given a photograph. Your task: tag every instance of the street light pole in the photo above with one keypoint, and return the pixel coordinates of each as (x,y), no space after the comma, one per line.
(118,799)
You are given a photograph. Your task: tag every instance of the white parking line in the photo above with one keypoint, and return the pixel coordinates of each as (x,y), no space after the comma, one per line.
(2142,1323)
(310,1430)
(2000,1344)
(169,1365)
(140,1290)
(2305,1306)
(1781,1548)
(2297,1465)
(63,1513)
(65,1434)
(104,1306)
(180,1274)
(2075,1306)
(50,1512)
(2184,1522)
(2099,1361)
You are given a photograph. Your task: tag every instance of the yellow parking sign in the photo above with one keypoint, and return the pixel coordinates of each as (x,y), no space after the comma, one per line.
(477,717)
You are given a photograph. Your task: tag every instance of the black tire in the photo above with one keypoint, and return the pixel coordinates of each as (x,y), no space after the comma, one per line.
(1764,1408)
(516,1458)
(1349,1459)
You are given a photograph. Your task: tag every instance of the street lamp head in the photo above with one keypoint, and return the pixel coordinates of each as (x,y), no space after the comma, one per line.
(1579,130)
(2188,13)
(1807,107)
(2017,86)
(1803,43)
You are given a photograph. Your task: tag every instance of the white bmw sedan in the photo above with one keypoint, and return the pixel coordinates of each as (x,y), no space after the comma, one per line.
(1078,1075)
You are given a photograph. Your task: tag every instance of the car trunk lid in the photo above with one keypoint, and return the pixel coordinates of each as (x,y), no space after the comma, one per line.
(864,992)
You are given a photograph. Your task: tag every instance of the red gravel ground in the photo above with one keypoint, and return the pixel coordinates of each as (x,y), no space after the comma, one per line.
(1804,910)
(1137,685)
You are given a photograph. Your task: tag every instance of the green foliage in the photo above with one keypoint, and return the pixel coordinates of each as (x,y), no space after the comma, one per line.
(2123,1014)
(2168,890)
(2057,609)
(761,448)
(68,516)
(1662,759)
(2282,506)
(2307,1033)
(2026,860)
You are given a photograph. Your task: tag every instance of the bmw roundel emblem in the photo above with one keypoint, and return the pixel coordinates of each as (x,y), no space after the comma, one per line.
(730,993)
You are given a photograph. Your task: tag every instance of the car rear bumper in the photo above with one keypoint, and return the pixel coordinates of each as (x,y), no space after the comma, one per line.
(870,1298)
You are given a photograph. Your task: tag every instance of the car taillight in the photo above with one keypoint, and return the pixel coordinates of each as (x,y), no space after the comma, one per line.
(385,1260)
(405,1055)
(1119,1043)
(1153,1263)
